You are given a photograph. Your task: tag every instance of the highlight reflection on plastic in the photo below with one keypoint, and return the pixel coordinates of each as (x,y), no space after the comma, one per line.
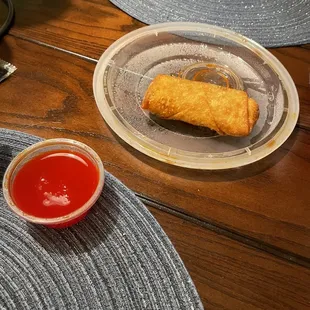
(55,184)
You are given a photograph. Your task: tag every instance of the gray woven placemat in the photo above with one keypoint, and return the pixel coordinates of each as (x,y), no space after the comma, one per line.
(117,258)
(271,23)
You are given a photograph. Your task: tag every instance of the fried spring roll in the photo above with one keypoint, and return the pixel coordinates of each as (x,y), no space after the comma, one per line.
(225,110)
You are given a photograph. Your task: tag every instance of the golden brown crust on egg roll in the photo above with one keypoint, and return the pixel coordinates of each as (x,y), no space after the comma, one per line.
(225,110)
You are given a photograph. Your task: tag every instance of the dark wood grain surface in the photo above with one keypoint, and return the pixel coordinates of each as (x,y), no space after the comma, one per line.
(235,216)
(230,275)
(267,200)
(84,27)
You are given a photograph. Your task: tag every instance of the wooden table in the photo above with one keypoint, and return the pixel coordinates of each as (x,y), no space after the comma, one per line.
(244,235)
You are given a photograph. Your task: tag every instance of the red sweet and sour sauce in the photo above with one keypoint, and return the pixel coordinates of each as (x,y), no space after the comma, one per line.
(55,184)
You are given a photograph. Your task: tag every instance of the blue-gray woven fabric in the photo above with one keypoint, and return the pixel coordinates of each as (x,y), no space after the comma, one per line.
(118,257)
(271,23)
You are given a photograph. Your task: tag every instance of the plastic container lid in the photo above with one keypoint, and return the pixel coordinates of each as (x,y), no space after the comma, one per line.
(128,66)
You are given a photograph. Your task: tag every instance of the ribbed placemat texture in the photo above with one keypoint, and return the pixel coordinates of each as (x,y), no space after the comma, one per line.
(271,23)
(117,258)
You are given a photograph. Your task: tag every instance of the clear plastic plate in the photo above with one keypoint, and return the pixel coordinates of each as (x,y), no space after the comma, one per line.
(128,66)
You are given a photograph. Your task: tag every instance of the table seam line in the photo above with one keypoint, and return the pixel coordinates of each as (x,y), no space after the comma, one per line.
(283,254)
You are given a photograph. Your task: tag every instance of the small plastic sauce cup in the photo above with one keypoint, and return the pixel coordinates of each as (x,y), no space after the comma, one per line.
(38,149)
